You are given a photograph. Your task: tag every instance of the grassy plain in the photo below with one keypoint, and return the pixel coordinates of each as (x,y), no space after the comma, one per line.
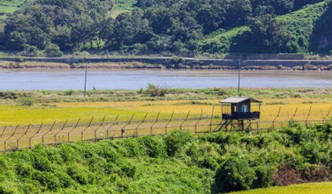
(309,188)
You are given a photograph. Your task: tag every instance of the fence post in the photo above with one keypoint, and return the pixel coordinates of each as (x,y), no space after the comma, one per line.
(114,123)
(25,133)
(328,113)
(139,124)
(123,129)
(69,132)
(82,133)
(43,136)
(170,120)
(184,120)
(200,118)
(55,140)
(151,128)
(273,121)
(3,132)
(101,124)
(12,135)
(306,120)
(257,127)
(30,139)
(211,119)
(291,119)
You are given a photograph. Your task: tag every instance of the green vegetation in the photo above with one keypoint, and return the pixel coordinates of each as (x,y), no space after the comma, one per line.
(154,92)
(188,27)
(122,6)
(178,162)
(221,41)
(8,7)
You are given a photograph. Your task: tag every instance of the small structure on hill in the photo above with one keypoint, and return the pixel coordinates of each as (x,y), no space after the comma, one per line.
(238,112)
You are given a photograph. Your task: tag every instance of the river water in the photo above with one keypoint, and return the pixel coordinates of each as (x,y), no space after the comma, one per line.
(136,79)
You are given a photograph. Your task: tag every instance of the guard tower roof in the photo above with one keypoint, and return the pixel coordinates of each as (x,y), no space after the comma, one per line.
(237,100)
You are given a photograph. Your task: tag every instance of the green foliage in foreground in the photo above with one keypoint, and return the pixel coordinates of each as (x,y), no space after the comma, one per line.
(179,162)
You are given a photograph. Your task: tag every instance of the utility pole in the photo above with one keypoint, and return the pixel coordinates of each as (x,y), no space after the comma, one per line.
(239,78)
(85,78)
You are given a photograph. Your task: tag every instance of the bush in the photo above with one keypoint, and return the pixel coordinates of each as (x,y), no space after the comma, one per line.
(263,177)
(79,173)
(47,179)
(154,146)
(69,92)
(26,101)
(234,175)
(8,95)
(53,51)
(155,90)
(176,140)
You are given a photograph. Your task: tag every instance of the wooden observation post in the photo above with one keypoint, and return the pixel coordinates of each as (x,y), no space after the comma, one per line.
(238,112)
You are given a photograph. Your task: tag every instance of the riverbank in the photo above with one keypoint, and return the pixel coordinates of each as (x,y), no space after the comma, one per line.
(156,93)
(164,63)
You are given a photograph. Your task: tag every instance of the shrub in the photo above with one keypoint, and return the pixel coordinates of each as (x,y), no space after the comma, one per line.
(41,163)
(79,173)
(53,50)
(176,140)
(26,101)
(24,170)
(8,95)
(234,175)
(47,179)
(65,180)
(263,176)
(156,90)
(68,92)
(8,188)
(154,146)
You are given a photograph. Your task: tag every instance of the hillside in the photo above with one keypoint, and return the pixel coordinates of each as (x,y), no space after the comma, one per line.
(298,27)
(178,162)
(188,27)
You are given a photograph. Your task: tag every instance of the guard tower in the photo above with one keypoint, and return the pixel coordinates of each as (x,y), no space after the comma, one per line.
(238,112)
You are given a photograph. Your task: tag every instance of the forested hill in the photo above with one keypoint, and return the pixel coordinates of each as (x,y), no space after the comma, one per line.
(169,26)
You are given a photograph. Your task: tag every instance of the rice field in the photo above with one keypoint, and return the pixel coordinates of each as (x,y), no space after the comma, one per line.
(24,126)
(271,109)
(309,188)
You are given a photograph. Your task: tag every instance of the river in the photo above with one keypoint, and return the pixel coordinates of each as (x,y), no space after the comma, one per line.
(136,79)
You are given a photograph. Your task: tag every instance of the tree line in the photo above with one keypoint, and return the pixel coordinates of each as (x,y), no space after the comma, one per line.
(153,26)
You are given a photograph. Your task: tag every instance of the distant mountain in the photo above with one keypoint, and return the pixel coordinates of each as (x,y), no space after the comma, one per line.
(186,27)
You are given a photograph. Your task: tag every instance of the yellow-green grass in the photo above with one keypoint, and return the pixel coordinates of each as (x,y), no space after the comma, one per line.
(16,115)
(309,188)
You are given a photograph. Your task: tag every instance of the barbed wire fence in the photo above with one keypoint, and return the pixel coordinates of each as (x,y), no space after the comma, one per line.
(19,137)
